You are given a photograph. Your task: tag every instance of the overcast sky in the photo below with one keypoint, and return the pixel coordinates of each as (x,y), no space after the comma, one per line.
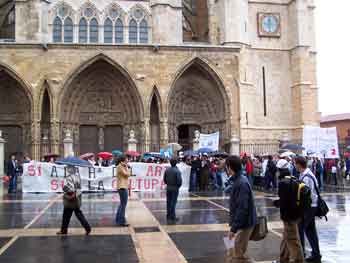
(333,45)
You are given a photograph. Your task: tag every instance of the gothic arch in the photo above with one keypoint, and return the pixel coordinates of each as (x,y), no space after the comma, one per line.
(102,97)
(155,92)
(198,99)
(16,111)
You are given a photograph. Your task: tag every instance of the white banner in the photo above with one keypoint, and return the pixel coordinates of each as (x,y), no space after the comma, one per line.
(321,141)
(210,141)
(47,177)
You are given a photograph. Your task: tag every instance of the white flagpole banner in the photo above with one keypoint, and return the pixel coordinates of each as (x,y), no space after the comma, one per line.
(321,141)
(210,141)
(48,177)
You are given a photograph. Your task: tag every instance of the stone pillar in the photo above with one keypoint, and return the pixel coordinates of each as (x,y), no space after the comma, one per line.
(55,136)
(2,154)
(234,22)
(101,139)
(235,145)
(36,139)
(132,142)
(68,144)
(164,132)
(166,21)
(196,140)
(45,144)
(147,135)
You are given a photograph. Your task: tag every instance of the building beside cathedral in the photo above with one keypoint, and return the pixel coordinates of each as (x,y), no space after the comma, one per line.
(101,70)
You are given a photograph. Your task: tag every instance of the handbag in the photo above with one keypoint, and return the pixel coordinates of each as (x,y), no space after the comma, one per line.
(260,229)
(322,207)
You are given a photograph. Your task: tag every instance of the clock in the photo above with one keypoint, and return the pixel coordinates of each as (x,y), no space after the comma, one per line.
(269,24)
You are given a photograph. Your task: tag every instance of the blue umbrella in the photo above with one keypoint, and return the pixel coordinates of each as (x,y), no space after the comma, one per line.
(204,150)
(190,153)
(293,147)
(74,161)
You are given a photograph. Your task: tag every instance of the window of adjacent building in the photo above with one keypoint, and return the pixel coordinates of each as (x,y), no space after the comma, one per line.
(68,30)
(57,30)
(119,31)
(108,31)
(83,31)
(143,31)
(93,31)
(133,32)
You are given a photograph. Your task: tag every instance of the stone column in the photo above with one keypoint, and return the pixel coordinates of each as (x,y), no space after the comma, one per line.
(101,138)
(55,136)
(164,136)
(166,21)
(235,145)
(2,154)
(68,144)
(132,142)
(36,139)
(147,135)
(196,140)
(45,147)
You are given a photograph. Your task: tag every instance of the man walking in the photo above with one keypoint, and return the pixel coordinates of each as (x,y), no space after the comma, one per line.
(291,213)
(12,168)
(307,225)
(270,174)
(243,216)
(173,181)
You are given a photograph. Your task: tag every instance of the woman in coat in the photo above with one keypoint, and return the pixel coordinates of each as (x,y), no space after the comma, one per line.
(72,201)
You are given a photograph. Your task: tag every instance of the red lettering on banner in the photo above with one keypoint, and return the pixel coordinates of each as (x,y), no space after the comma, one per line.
(158,171)
(150,171)
(62,184)
(31,170)
(54,185)
(139,183)
(155,183)
(147,184)
(333,152)
(39,170)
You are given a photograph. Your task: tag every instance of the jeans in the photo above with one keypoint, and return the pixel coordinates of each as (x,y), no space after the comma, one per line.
(219,180)
(67,214)
(251,180)
(13,184)
(193,182)
(307,226)
(120,217)
(171,200)
(335,178)
(270,178)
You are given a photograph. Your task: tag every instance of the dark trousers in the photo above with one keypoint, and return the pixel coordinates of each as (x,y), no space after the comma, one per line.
(307,226)
(13,184)
(334,177)
(270,178)
(120,217)
(193,182)
(171,200)
(67,215)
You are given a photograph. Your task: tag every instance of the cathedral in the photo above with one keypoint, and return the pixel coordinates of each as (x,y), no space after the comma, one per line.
(96,71)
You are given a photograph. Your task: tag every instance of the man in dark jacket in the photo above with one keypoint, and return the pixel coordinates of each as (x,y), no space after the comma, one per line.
(270,175)
(291,249)
(173,181)
(12,169)
(243,216)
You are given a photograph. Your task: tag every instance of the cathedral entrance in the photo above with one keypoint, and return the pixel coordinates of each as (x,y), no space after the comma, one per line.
(15,115)
(101,106)
(197,101)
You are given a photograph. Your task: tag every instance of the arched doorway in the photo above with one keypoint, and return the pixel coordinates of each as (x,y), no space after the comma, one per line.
(155,125)
(15,115)
(45,123)
(101,105)
(197,101)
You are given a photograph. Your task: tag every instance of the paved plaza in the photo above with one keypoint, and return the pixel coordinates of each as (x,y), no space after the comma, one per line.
(29,222)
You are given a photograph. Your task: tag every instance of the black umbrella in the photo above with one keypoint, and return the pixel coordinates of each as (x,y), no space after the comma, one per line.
(219,154)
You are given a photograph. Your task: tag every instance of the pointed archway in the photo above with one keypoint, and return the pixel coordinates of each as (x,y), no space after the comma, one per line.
(45,123)
(101,104)
(155,124)
(197,100)
(15,113)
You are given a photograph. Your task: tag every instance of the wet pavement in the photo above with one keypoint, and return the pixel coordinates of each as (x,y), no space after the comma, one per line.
(28,223)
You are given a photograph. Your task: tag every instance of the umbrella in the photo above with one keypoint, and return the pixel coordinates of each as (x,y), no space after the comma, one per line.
(86,156)
(293,147)
(105,155)
(51,155)
(152,154)
(189,153)
(174,146)
(204,150)
(117,152)
(287,154)
(219,154)
(132,153)
(74,161)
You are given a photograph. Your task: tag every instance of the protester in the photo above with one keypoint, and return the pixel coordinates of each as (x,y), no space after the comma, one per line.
(72,201)
(123,174)
(243,216)
(334,174)
(307,225)
(291,249)
(204,174)
(195,172)
(173,181)
(12,172)
(270,174)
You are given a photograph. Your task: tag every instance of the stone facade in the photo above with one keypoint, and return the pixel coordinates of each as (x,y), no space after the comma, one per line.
(161,89)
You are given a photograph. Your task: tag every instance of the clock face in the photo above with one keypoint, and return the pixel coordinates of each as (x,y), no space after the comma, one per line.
(270,24)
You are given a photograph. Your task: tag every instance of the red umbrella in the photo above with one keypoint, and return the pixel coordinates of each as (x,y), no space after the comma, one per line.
(86,156)
(105,155)
(132,153)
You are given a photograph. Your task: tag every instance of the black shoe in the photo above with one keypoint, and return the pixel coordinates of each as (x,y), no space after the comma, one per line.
(313,260)
(88,232)
(60,233)
(123,225)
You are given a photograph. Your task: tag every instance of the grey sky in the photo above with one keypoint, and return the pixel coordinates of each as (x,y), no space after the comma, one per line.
(333,45)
